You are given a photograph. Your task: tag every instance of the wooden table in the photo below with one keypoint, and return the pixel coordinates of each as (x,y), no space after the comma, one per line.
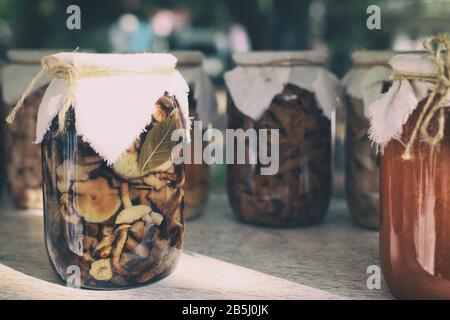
(224,259)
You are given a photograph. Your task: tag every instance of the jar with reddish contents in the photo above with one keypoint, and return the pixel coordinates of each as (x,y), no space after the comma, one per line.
(413,132)
(415,220)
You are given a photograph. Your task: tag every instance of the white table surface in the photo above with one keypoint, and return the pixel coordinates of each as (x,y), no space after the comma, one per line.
(224,259)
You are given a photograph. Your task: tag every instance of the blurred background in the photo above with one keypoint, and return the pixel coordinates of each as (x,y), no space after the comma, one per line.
(220,27)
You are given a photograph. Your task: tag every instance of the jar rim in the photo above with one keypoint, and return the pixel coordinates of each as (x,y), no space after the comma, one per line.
(418,63)
(125,62)
(370,58)
(29,56)
(188,58)
(267,58)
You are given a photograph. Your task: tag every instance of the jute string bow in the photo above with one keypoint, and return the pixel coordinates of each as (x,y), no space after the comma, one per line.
(438,47)
(60,69)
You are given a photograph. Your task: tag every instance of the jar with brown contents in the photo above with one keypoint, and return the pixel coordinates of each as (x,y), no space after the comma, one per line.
(128,225)
(202,107)
(414,182)
(197,174)
(118,222)
(366,81)
(23,159)
(299,193)
(2,136)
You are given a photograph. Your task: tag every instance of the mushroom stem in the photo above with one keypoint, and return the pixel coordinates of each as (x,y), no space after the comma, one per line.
(125,194)
(117,251)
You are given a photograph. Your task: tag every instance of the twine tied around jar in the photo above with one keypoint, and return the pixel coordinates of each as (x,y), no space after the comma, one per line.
(438,47)
(60,69)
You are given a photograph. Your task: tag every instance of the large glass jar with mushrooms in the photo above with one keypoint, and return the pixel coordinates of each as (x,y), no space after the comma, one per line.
(23,159)
(288,98)
(410,124)
(113,198)
(203,110)
(365,82)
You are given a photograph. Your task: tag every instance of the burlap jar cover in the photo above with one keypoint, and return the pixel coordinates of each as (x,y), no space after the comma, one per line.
(292,92)
(410,125)
(202,107)
(113,198)
(363,84)
(23,159)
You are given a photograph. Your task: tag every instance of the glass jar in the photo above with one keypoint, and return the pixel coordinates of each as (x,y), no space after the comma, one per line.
(113,201)
(23,161)
(2,137)
(85,199)
(298,194)
(415,201)
(414,184)
(202,107)
(364,83)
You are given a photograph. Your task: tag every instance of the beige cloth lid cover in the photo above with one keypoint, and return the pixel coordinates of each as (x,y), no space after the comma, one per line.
(365,80)
(112,111)
(390,112)
(253,88)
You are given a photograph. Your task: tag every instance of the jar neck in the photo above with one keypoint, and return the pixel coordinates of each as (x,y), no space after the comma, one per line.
(282,63)
(188,65)
(369,65)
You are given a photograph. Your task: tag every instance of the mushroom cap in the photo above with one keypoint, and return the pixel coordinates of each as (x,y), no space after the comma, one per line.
(101,270)
(96,201)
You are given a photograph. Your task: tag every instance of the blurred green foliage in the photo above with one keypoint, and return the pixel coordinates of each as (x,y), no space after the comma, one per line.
(271,24)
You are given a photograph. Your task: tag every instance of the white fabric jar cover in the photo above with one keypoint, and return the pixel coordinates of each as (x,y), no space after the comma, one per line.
(370,70)
(190,65)
(260,76)
(390,112)
(114,99)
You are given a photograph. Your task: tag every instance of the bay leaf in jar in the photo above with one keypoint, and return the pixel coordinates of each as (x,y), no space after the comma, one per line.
(157,147)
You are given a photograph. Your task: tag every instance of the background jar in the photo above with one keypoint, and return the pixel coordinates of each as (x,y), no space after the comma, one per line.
(415,195)
(2,138)
(202,107)
(119,226)
(23,159)
(299,193)
(363,84)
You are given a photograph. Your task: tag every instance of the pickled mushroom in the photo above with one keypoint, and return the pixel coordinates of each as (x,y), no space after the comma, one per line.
(159,113)
(66,210)
(154,181)
(132,214)
(96,200)
(101,270)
